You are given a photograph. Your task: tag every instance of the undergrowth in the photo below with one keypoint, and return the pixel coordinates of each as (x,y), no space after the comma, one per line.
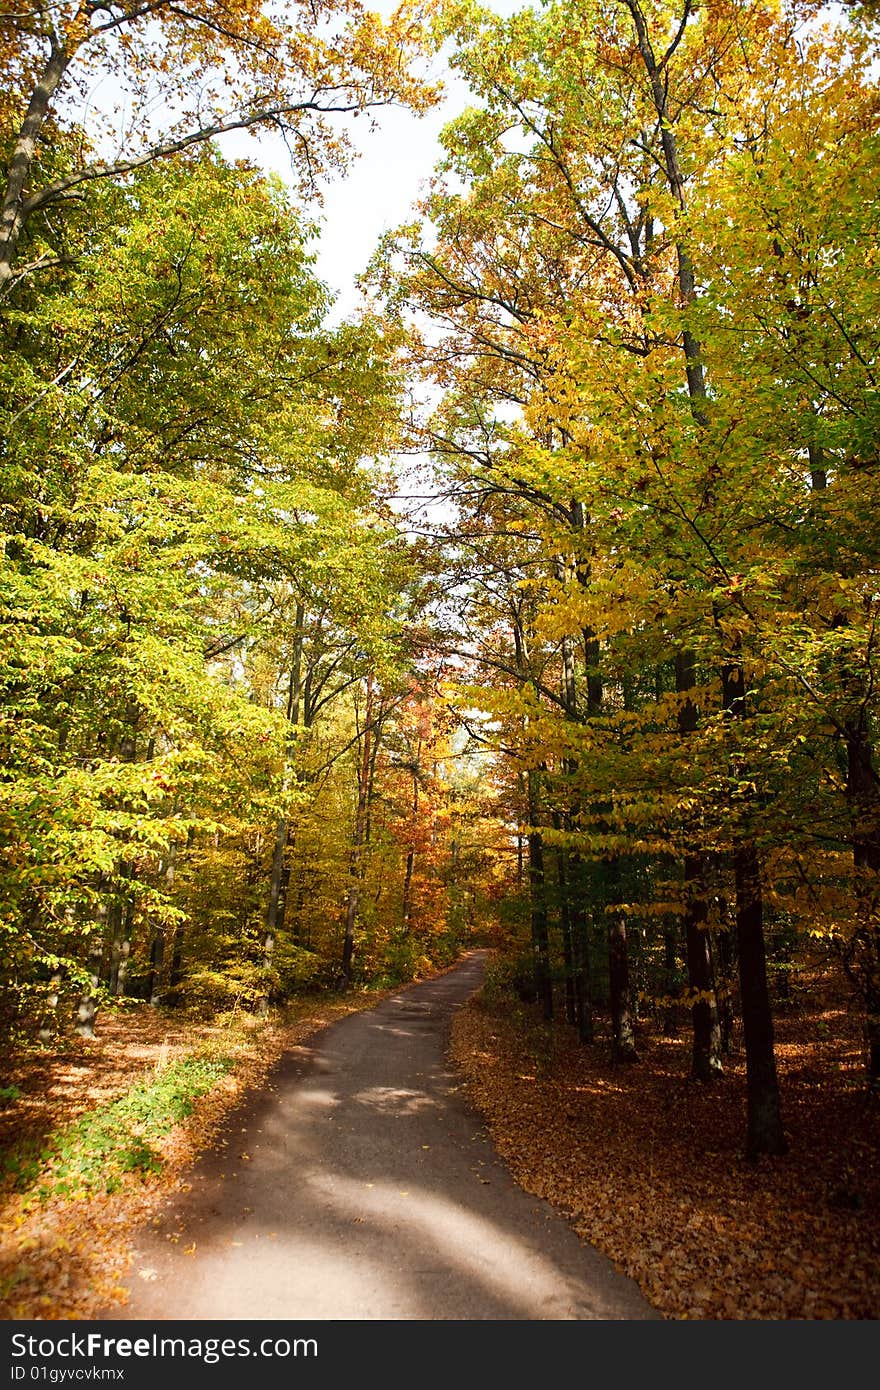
(94,1152)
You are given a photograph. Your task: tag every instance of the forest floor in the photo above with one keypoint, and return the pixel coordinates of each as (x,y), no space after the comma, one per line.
(67,1125)
(649,1165)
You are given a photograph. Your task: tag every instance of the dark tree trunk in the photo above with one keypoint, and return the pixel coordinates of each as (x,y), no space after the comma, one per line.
(706,1046)
(157,962)
(537,887)
(175,974)
(863,952)
(724,977)
(567,941)
(583,973)
(764,1134)
(623,1042)
(706,1049)
(157,946)
(411,853)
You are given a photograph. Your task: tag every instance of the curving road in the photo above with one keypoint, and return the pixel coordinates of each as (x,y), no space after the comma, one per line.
(369,1192)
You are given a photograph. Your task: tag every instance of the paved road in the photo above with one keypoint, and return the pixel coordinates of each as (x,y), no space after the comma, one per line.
(370,1192)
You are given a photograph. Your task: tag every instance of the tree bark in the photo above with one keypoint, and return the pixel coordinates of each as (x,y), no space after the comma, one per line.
(863,951)
(623,1042)
(583,973)
(764,1131)
(275,905)
(355,865)
(537,887)
(411,854)
(87,1008)
(23,154)
(565,916)
(706,1045)
(724,979)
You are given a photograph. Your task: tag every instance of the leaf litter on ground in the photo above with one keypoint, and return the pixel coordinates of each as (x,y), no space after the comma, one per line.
(649,1165)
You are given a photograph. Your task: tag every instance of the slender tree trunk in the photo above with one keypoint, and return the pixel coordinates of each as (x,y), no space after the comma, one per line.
(863,951)
(706,1051)
(623,1042)
(355,865)
(724,977)
(157,947)
(411,857)
(764,1131)
(583,971)
(87,1008)
(157,964)
(571,1012)
(537,886)
(580,910)
(568,692)
(706,1046)
(520,838)
(282,827)
(49,1025)
(124,953)
(12,209)
(175,975)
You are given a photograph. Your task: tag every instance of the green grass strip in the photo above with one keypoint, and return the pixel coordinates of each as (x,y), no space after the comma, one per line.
(96,1151)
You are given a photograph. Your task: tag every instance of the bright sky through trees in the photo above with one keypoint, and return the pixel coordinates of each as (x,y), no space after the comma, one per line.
(379,190)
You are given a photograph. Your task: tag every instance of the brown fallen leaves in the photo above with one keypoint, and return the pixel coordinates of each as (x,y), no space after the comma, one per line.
(71,1258)
(648,1165)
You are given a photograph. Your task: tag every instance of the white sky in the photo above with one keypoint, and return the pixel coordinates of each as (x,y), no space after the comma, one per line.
(382,185)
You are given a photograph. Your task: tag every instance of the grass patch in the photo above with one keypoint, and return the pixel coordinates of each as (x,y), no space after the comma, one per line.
(95,1152)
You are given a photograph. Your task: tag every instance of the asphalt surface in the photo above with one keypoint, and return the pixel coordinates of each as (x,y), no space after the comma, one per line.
(363,1187)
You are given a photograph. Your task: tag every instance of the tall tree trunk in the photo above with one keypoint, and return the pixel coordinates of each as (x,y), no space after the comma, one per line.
(275,905)
(706,1049)
(724,976)
(863,951)
(123,956)
(583,974)
(87,1008)
(580,908)
(175,974)
(706,1052)
(568,694)
(537,887)
(764,1131)
(355,863)
(623,1042)
(157,946)
(565,927)
(520,838)
(49,1023)
(411,852)
(706,1046)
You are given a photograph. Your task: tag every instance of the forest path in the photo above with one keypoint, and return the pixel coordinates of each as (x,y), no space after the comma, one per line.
(369,1191)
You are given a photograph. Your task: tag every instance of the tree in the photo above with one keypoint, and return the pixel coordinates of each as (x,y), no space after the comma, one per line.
(219,67)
